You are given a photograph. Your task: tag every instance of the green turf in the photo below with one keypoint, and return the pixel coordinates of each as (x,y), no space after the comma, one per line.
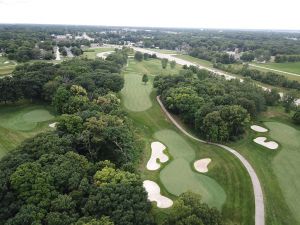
(18,122)
(286,163)
(91,53)
(6,66)
(186,178)
(278,211)
(164,51)
(224,170)
(291,67)
(200,62)
(136,94)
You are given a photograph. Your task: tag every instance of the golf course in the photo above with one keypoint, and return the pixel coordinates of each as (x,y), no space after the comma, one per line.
(22,121)
(226,185)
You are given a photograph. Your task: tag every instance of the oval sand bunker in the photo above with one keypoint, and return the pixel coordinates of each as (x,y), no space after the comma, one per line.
(201,165)
(157,153)
(258,128)
(268,144)
(153,191)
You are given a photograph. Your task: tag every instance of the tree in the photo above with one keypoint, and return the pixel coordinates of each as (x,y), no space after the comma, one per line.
(164,63)
(288,100)
(296,117)
(189,209)
(172,64)
(145,78)
(138,56)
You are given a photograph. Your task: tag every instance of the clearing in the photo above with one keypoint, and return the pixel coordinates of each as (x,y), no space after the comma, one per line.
(18,122)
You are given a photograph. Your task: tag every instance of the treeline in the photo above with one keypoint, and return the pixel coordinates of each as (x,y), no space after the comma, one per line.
(287,58)
(270,78)
(40,80)
(64,176)
(218,109)
(83,172)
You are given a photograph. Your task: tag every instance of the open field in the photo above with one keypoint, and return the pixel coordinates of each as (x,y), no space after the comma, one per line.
(286,67)
(6,66)
(92,52)
(226,180)
(18,122)
(196,60)
(165,51)
(286,163)
(277,169)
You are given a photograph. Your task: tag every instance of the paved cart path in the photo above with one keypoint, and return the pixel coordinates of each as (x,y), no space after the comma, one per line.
(258,194)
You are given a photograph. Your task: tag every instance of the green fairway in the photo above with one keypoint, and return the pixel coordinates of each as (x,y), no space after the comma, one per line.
(91,53)
(186,178)
(286,163)
(19,122)
(137,94)
(226,184)
(278,170)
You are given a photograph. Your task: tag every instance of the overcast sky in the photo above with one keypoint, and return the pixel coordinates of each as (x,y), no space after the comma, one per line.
(245,14)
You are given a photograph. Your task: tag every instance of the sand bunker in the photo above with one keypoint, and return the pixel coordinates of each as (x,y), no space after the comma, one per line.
(52,125)
(103,55)
(6,62)
(157,154)
(201,165)
(154,194)
(268,144)
(258,128)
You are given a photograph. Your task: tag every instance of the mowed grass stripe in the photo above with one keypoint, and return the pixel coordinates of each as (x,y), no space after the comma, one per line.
(286,163)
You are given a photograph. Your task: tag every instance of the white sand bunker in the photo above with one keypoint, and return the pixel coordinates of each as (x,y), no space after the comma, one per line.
(52,125)
(6,62)
(268,144)
(154,194)
(157,154)
(258,128)
(201,165)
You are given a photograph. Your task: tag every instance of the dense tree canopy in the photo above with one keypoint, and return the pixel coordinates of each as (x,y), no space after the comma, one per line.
(218,109)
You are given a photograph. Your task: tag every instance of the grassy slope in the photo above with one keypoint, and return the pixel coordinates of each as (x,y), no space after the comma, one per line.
(286,67)
(18,122)
(226,170)
(262,159)
(164,51)
(196,60)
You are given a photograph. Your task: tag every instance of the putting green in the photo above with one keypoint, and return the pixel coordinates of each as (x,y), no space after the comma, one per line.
(179,177)
(26,119)
(286,164)
(136,95)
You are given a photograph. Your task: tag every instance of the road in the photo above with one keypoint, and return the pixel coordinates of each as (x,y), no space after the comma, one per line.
(257,190)
(171,57)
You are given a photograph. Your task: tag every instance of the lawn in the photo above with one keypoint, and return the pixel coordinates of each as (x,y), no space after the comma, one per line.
(226,185)
(200,62)
(278,170)
(91,53)
(286,163)
(164,51)
(290,67)
(18,122)
(6,66)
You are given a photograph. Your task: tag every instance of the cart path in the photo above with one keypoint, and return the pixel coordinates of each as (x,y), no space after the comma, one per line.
(258,194)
